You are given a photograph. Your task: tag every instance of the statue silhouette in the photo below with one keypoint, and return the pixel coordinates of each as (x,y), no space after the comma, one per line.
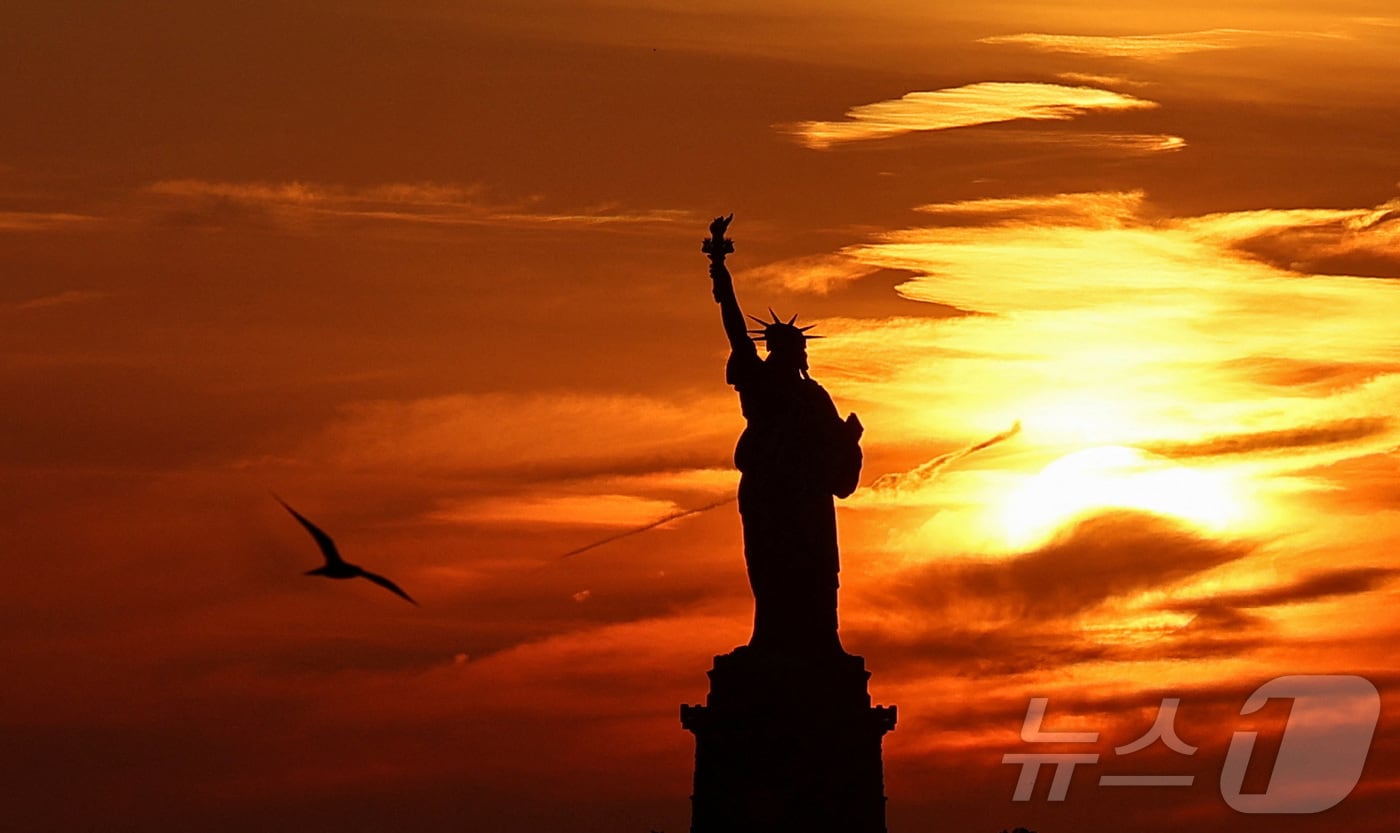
(795,455)
(787,738)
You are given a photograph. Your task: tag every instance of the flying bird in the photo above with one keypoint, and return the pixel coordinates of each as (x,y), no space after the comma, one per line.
(337,567)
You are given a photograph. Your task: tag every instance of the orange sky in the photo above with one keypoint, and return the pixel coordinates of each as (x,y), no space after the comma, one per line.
(431,272)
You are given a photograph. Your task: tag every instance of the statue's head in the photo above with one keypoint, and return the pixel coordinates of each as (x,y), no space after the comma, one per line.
(786,342)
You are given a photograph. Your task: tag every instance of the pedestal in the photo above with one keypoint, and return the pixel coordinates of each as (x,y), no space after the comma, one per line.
(788,743)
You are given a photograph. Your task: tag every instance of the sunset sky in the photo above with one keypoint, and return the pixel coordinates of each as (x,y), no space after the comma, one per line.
(430,271)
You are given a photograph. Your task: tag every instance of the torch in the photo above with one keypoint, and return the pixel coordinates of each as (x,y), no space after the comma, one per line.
(717,245)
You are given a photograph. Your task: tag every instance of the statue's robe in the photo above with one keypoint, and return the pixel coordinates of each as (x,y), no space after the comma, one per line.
(795,454)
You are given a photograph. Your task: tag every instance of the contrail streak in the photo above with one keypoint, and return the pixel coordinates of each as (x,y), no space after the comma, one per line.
(926,472)
(920,475)
(674,516)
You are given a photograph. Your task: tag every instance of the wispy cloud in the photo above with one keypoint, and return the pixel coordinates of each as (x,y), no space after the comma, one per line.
(1096,80)
(1147,47)
(68,297)
(1348,581)
(557,510)
(1101,209)
(1125,143)
(817,274)
(1285,440)
(23,221)
(984,103)
(1097,321)
(203,202)
(1324,241)
(529,437)
(1070,575)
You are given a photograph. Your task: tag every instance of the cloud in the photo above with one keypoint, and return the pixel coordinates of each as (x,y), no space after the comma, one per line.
(562,510)
(1364,242)
(974,104)
(638,503)
(818,274)
(1037,142)
(1097,322)
(1327,584)
(708,481)
(1365,484)
(1096,280)
(1101,209)
(529,437)
(1124,143)
(1046,650)
(65,298)
(301,204)
(1109,555)
(1094,80)
(1289,439)
(1069,602)
(1310,375)
(1148,47)
(25,221)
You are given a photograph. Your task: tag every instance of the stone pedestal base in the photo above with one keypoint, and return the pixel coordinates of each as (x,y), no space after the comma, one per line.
(788,743)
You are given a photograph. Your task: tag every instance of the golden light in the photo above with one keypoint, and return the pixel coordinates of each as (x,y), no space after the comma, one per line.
(1116,477)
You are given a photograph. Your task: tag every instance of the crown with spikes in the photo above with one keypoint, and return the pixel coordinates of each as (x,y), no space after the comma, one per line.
(780,330)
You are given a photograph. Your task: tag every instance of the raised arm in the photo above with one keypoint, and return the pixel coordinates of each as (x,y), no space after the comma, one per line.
(729,312)
(733,317)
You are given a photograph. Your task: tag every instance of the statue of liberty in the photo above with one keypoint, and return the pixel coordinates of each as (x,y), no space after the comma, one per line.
(795,455)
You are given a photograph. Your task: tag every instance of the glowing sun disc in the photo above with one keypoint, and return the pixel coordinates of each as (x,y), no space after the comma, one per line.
(1115,477)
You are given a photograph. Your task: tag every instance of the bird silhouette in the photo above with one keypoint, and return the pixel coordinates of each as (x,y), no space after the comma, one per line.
(337,567)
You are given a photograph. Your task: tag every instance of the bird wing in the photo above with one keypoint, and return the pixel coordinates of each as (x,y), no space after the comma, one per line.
(386,584)
(332,555)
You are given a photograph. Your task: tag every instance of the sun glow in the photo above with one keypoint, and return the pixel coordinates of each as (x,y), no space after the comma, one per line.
(1116,477)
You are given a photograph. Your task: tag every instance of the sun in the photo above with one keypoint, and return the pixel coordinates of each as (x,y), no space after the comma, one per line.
(1116,477)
